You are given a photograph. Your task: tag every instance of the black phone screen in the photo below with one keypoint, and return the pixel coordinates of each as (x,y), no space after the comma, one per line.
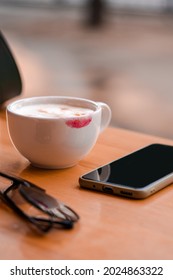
(138,169)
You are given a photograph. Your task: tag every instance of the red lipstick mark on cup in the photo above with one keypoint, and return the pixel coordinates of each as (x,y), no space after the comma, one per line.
(78,123)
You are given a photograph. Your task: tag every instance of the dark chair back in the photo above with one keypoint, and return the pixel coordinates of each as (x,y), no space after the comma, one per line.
(10,79)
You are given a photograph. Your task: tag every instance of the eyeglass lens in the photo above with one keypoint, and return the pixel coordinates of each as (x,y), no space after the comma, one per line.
(4,183)
(48,203)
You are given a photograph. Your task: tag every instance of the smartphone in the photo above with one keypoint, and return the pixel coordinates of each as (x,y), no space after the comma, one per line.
(136,175)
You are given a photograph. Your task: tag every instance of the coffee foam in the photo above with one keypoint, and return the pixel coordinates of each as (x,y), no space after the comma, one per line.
(53,111)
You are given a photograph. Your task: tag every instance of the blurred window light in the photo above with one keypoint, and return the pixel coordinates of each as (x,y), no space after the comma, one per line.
(139,4)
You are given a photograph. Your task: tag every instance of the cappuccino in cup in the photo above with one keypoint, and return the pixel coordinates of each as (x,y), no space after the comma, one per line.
(64,111)
(55,131)
(53,111)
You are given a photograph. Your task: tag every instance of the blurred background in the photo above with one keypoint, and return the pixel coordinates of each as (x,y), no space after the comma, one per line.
(116,51)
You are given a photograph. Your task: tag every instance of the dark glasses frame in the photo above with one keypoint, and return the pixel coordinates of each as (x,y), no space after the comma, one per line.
(27,190)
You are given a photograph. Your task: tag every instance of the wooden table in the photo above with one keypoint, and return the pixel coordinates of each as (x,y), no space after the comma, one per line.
(110,227)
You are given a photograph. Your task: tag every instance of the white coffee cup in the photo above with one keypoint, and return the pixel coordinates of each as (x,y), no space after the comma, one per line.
(56,139)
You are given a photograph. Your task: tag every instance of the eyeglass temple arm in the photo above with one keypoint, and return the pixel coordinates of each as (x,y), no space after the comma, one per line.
(17,180)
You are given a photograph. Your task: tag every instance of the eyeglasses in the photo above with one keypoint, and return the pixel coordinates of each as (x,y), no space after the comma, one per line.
(34,205)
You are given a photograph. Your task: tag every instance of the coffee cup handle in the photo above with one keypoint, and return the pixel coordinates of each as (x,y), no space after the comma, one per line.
(106,115)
